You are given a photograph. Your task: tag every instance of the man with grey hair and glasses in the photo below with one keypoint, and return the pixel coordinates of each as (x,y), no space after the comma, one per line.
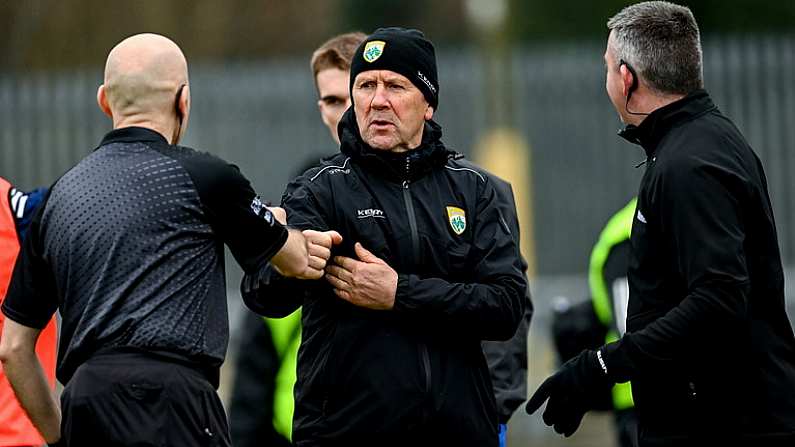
(709,348)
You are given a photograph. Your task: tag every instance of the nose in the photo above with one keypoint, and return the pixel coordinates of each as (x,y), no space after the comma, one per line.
(380,100)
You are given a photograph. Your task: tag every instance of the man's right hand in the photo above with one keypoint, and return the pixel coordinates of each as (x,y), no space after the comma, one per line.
(318,247)
(26,376)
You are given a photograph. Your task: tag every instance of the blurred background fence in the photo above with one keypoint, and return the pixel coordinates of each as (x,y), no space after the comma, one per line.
(263,117)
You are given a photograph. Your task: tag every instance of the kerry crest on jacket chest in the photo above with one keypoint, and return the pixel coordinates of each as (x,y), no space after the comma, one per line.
(457,218)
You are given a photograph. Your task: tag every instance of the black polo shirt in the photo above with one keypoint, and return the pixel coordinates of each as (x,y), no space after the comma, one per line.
(129,247)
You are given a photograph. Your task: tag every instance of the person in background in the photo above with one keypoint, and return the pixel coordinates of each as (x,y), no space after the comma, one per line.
(602,318)
(607,281)
(331,66)
(16,212)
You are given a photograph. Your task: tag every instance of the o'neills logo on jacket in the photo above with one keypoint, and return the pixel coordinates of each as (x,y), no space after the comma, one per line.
(370,212)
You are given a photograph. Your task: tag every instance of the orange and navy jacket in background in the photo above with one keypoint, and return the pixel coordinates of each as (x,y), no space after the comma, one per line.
(15,427)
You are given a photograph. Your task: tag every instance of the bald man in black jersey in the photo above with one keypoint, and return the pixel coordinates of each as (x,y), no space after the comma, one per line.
(129,248)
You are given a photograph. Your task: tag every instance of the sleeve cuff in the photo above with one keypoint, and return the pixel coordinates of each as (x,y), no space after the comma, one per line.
(618,359)
(402,294)
(264,258)
(24,320)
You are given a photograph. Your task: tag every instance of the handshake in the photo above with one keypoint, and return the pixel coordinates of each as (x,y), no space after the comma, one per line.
(305,253)
(365,281)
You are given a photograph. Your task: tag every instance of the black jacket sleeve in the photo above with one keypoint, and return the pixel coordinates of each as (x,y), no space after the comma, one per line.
(268,293)
(700,206)
(492,305)
(507,360)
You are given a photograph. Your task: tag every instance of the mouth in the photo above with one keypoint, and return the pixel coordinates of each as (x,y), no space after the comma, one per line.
(381,124)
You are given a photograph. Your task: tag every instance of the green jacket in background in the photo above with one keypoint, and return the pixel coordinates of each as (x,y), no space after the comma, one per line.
(608,285)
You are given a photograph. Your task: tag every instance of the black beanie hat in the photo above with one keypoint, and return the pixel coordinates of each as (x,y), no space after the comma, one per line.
(404,51)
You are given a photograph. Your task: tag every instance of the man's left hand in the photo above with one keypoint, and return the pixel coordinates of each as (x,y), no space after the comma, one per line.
(367,282)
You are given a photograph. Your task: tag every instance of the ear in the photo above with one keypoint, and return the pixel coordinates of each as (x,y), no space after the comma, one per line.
(102,101)
(184,101)
(627,78)
(429,113)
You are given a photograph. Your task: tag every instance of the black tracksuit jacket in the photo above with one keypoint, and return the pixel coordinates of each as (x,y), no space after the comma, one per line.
(415,374)
(709,348)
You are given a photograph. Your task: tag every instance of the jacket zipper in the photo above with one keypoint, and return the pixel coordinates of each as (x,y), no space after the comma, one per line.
(415,246)
(415,239)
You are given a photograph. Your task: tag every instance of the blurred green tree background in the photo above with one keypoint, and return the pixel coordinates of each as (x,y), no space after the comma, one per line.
(47,34)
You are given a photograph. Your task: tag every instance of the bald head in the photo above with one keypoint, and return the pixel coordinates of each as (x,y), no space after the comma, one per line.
(143,76)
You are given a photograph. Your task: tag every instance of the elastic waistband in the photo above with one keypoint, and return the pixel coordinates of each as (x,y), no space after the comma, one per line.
(206,370)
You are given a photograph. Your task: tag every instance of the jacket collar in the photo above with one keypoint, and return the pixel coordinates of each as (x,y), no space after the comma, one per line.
(403,166)
(652,129)
(133,134)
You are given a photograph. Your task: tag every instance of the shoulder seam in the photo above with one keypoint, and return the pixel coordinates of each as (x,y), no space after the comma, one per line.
(345,163)
(483,179)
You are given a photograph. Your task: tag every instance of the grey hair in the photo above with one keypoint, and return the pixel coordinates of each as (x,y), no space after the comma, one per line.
(661,42)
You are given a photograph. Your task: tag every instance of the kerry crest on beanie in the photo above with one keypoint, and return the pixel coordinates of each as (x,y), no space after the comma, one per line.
(373,50)
(404,51)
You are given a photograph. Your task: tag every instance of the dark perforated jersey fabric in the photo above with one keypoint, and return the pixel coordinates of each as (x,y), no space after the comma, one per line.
(129,248)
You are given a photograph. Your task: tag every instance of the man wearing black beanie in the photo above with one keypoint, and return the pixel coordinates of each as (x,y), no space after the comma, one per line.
(409,54)
(428,267)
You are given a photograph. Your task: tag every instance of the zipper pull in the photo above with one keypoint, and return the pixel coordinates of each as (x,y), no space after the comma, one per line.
(405,184)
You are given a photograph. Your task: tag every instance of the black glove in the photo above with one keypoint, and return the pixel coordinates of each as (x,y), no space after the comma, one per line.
(572,391)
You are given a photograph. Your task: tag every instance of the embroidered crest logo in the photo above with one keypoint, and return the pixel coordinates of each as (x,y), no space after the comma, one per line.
(457,218)
(373,50)
(257,205)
